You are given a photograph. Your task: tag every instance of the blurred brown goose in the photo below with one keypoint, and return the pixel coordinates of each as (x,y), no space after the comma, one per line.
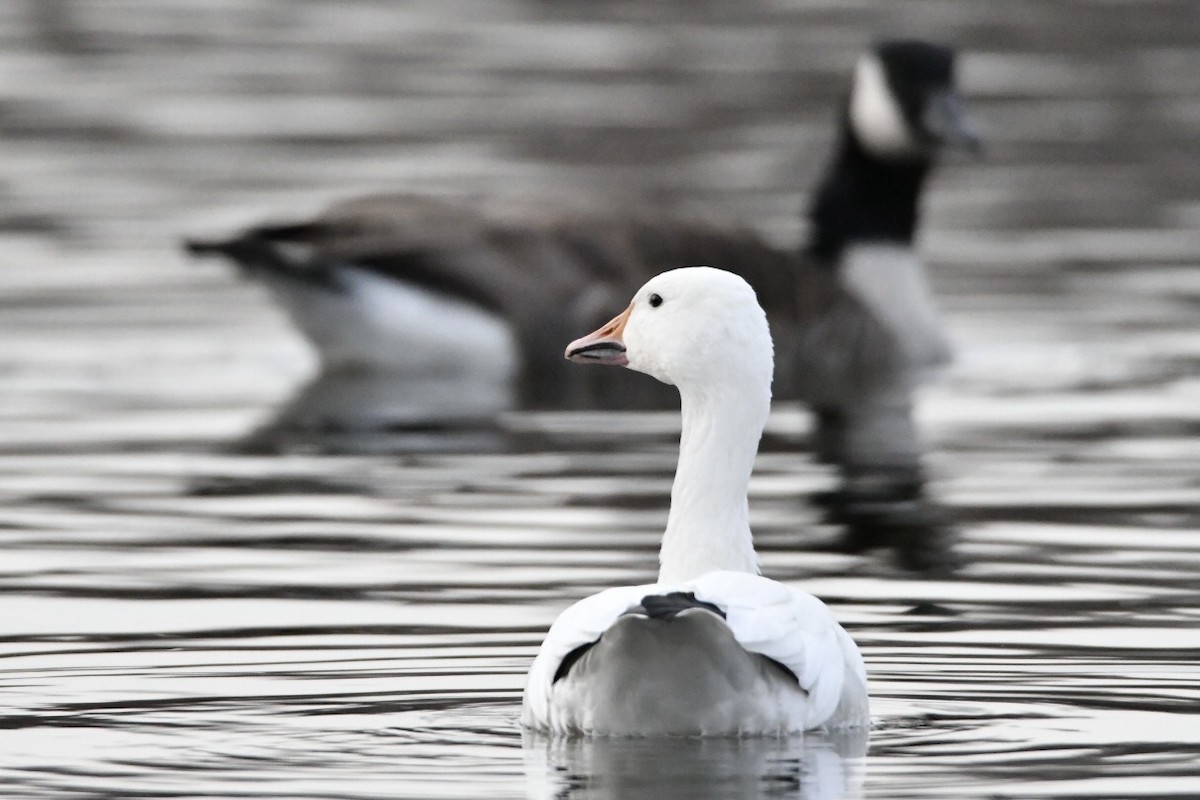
(404,283)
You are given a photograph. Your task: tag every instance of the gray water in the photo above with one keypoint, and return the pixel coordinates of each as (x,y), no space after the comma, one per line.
(353,618)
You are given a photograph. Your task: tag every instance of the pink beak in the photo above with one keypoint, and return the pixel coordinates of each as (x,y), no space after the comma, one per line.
(604,346)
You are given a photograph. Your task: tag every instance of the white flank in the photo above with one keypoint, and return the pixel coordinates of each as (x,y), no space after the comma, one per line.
(385,324)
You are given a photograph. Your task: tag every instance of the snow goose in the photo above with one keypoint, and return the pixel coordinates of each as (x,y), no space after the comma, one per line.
(713,648)
(410,285)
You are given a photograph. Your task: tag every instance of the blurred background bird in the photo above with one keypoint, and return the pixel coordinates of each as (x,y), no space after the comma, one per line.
(407,285)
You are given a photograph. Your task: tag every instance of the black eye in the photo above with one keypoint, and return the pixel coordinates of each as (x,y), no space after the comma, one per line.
(655,300)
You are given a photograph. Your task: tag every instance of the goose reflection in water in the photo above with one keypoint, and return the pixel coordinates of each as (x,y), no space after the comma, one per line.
(361,410)
(810,767)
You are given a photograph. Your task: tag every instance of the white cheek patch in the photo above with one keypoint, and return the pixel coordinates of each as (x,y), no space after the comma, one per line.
(875,113)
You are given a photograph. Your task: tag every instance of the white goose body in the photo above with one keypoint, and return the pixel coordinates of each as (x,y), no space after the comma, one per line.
(697,674)
(712,648)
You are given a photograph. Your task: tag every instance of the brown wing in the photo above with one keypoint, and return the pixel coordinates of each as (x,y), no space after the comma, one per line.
(556,275)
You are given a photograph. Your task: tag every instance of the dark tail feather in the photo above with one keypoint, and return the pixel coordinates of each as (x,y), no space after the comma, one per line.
(257,242)
(249,250)
(255,252)
(204,247)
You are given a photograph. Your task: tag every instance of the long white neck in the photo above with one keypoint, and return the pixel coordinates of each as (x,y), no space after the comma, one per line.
(708,527)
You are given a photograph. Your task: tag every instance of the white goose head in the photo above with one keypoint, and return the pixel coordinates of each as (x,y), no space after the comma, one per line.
(702,330)
(696,328)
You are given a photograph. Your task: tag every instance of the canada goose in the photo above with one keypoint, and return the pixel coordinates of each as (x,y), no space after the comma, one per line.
(713,648)
(408,284)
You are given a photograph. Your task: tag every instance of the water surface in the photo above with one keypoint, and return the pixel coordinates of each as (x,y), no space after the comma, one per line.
(187,615)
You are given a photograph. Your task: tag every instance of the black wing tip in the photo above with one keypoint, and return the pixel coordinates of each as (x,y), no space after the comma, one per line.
(569,660)
(666,606)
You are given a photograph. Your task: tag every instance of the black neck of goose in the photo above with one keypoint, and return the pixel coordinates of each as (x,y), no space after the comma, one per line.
(865,198)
